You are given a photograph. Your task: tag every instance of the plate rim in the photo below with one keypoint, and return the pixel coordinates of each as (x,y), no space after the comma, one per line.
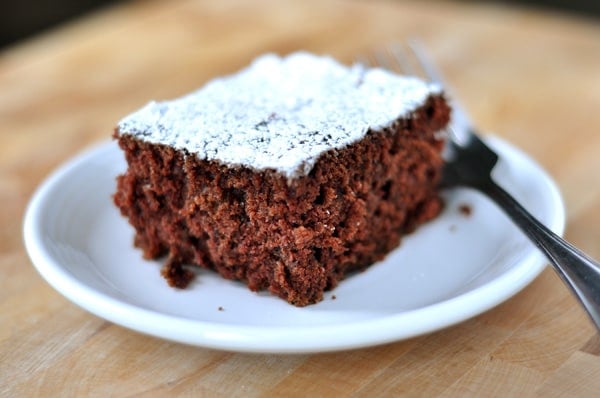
(275,339)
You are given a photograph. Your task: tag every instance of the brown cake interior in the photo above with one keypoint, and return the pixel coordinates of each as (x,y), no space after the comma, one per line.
(295,238)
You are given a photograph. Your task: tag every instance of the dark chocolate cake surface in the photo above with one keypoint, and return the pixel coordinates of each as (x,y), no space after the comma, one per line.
(278,202)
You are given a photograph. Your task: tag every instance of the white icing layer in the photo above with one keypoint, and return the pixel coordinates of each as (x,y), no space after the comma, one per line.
(280,113)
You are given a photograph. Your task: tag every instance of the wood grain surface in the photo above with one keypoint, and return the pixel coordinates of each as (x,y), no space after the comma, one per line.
(531,77)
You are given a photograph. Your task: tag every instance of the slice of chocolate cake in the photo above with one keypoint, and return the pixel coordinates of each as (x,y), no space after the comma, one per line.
(287,175)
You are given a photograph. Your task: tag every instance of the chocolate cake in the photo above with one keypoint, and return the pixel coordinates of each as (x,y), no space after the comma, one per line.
(286,176)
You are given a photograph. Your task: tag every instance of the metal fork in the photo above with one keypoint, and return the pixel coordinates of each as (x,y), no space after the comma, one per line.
(469,164)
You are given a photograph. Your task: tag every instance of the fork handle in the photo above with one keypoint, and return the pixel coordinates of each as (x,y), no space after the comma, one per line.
(579,271)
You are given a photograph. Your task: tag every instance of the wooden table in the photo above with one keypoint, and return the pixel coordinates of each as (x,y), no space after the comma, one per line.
(531,77)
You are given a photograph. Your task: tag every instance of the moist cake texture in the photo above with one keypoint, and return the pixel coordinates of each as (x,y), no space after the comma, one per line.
(287,175)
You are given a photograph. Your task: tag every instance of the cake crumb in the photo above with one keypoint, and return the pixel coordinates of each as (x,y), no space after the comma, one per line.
(175,274)
(221,308)
(465,210)
(333,297)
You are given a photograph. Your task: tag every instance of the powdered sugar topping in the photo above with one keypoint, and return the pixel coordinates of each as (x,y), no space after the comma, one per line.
(280,113)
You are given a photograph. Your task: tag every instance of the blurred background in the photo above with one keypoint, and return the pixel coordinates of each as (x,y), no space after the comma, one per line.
(20,19)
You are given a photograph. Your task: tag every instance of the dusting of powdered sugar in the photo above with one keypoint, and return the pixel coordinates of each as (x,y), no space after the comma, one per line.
(280,113)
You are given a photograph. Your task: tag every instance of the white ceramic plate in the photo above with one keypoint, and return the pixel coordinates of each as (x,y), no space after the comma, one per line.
(451,269)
